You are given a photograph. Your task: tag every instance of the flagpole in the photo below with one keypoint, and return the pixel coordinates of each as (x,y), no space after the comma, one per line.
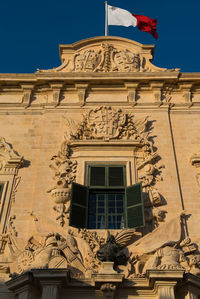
(106,18)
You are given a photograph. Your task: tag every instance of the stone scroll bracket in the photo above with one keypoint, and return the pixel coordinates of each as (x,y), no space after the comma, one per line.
(81,89)
(28,92)
(187,93)
(132,92)
(157,92)
(56,89)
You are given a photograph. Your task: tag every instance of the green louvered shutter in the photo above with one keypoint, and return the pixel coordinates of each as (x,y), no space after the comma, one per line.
(78,208)
(134,206)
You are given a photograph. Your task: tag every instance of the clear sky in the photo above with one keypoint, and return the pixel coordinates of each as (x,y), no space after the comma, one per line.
(32,30)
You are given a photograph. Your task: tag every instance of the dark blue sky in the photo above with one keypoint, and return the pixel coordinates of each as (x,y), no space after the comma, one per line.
(32,30)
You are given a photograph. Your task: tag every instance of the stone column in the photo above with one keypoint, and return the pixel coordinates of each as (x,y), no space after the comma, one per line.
(164,281)
(26,292)
(165,289)
(51,280)
(50,289)
(191,295)
(23,286)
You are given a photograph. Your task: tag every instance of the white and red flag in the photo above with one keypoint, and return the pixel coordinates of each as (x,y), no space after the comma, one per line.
(122,17)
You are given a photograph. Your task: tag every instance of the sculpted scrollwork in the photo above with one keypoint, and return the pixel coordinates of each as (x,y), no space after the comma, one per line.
(83,252)
(87,61)
(64,174)
(9,158)
(106,58)
(108,124)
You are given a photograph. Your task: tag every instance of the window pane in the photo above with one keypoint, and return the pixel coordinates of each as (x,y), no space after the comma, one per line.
(116,176)
(111,197)
(120,196)
(120,204)
(111,203)
(97,176)
(101,222)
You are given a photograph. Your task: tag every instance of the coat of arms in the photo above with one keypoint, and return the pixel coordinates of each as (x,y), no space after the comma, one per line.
(106,122)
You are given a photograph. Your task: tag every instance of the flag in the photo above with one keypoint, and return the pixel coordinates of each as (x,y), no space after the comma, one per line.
(122,17)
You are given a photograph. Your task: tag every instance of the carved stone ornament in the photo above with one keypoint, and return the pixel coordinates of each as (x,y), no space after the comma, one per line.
(106,56)
(64,174)
(163,249)
(195,161)
(108,124)
(10,160)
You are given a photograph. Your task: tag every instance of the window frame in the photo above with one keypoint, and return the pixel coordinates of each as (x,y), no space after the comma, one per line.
(106,189)
(133,190)
(106,165)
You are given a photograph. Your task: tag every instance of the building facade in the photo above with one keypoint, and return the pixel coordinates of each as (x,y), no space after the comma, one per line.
(100,177)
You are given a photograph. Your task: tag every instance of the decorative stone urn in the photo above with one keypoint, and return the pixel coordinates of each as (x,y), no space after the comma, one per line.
(61,194)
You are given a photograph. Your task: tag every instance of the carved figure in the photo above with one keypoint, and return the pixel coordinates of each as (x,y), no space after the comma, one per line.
(126,61)
(56,252)
(87,61)
(194,263)
(111,252)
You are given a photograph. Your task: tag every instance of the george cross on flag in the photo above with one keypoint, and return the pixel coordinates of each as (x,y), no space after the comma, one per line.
(122,17)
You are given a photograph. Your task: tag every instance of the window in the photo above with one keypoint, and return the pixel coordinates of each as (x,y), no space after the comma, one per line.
(105,202)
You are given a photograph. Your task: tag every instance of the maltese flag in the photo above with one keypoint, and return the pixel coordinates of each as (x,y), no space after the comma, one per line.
(122,17)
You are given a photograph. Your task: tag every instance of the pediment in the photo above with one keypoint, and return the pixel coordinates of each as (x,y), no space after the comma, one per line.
(106,54)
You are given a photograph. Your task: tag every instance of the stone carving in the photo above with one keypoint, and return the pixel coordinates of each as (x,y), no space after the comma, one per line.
(107,124)
(56,252)
(79,250)
(108,289)
(15,186)
(107,58)
(195,161)
(64,174)
(126,61)
(88,61)
(164,252)
(10,160)
(111,252)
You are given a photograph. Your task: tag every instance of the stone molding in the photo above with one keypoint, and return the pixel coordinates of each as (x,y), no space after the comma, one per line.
(10,160)
(158,284)
(107,54)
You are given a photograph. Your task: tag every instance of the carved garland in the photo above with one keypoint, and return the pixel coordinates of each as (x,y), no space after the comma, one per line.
(10,162)
(107,124)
